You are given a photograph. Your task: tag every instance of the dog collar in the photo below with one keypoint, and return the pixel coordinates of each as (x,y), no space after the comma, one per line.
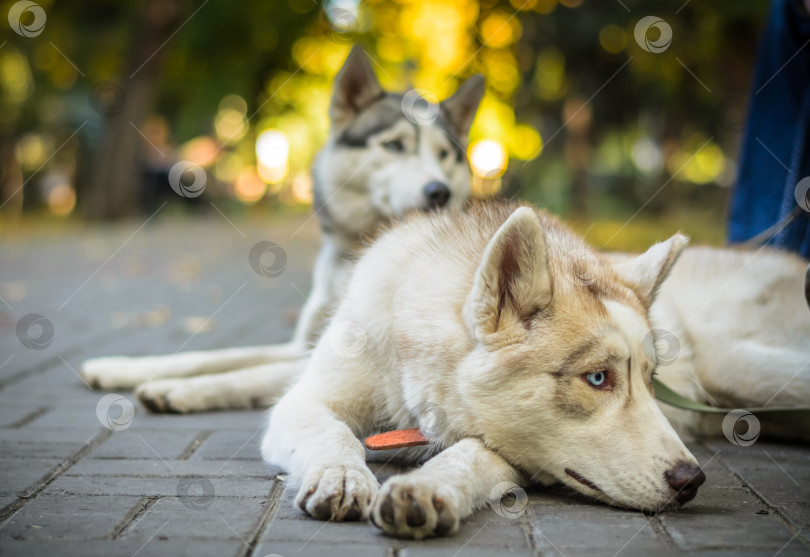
(396,439)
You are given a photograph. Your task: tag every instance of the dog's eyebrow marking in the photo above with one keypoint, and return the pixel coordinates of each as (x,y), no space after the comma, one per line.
(583,349)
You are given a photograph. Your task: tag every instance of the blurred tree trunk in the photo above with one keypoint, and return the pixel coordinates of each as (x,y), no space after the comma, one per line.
(11,179)
(115,187)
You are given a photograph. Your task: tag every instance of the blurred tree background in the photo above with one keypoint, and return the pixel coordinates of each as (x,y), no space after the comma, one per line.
(580,116)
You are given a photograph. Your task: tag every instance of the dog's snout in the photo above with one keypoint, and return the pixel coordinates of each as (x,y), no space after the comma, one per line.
(685,478)
(437,195)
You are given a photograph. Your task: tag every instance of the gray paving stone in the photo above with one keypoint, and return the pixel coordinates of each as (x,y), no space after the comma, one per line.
(424,550)
(589,526)
(309,529)
(73,517)
(725,518)
(199,518)
(247,420)
(18,474)
(44,443)
(85,417)
(319,549)
(127,547)
(143,443)
(69,416)
(12,412)
(236,445)
(102,485)
(6,500)
(172,468)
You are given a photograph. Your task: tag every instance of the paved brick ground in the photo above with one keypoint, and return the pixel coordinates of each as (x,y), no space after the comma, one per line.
(194,485)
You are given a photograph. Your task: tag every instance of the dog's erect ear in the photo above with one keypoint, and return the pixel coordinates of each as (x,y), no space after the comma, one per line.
(462,106)
(356,87)
(512,282)
(645,273)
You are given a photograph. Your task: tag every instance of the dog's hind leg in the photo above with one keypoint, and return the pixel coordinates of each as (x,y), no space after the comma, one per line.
(433,499)
(254,387)
(121,372)
(750,373)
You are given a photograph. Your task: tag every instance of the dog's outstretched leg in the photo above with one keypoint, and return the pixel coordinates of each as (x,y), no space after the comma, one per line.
(120,372)
(254,387)
(432,500)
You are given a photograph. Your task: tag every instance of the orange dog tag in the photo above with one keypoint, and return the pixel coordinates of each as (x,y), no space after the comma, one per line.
(396,439)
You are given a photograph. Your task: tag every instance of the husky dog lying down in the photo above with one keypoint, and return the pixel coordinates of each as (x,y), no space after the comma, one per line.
(539,375)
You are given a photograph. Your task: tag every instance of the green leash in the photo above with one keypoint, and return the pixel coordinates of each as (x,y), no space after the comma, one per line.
(796,416)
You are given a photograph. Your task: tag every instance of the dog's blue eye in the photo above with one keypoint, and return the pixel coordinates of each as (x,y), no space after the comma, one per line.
(395,146)
(597,378)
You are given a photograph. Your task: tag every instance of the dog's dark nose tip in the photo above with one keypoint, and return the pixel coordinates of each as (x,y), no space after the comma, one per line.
(437,195)
(685,478)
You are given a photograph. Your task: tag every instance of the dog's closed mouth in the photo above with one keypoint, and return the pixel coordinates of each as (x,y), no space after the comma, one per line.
(584,481)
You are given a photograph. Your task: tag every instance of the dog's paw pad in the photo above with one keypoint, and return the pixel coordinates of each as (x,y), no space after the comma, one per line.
(165,395)
(414,508)
(338,493)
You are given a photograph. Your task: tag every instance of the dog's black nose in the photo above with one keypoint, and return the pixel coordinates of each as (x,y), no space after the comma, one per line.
(437,195)
(685,478)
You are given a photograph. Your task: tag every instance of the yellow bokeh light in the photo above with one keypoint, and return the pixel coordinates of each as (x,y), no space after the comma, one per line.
(31,151)
(61,199)
(545,6)
(522,5)
(549,80)
(526,142)
(234,102)
(201,150)
(301,189)
(488,158)
(613,38)
(272,175)
(500,29)
(272,152)
(228,168)
(699,167)
(230,125)
(249,187)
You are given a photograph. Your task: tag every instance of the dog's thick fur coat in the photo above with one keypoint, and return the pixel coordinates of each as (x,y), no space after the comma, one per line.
(531,357)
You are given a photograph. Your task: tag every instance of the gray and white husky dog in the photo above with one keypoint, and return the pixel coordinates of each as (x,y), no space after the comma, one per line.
(386,154)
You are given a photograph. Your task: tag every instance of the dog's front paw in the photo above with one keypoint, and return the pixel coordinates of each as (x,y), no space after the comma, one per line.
(415,508)
(338,493)
(110,373)
(169,395)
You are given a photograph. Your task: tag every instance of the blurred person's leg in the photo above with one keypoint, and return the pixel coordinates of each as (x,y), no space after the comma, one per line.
(776,148)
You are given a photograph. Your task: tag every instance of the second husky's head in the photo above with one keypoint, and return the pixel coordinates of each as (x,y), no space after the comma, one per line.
(388,153)
(558,378)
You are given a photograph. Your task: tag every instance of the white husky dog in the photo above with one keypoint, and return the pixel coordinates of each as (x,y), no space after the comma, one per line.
(386,154)
(531,352)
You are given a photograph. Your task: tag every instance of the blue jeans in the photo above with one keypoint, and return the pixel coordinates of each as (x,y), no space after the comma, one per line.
(779,122)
